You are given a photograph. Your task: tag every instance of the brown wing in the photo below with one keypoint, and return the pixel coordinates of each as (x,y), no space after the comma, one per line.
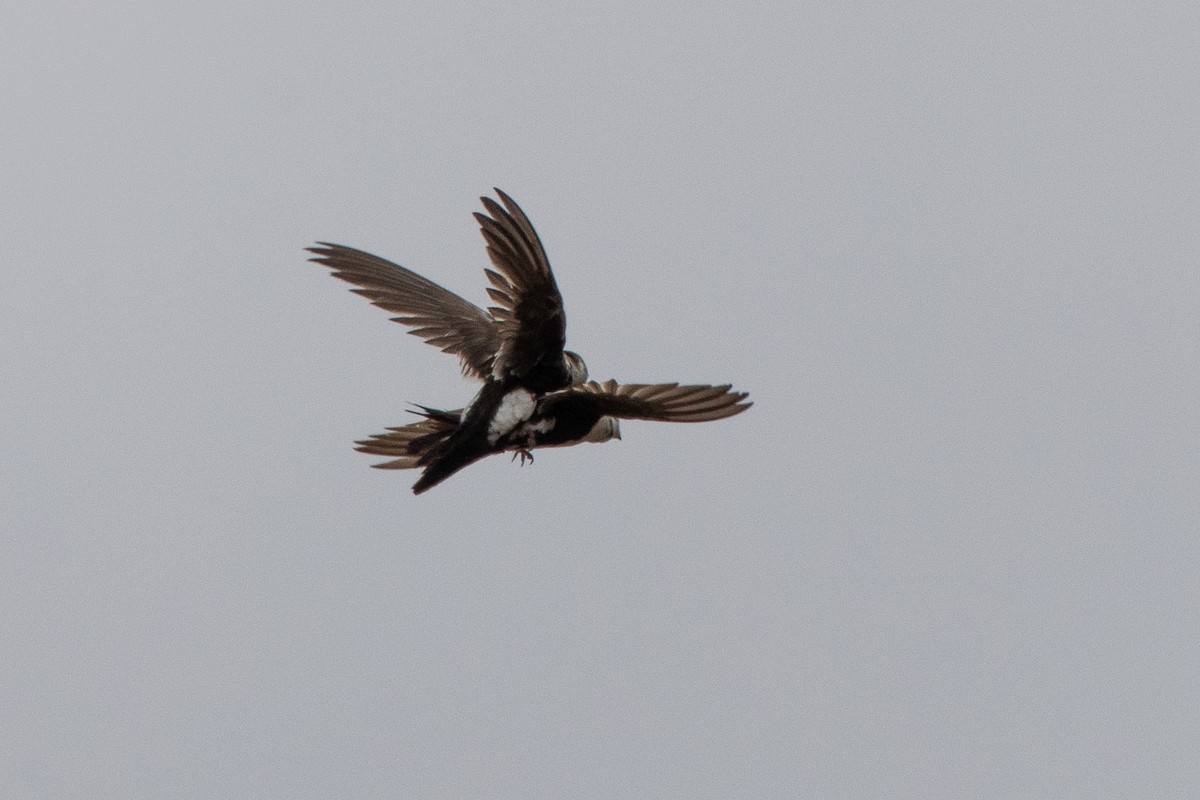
(407,444)
(665,402)
(528,306)
(437,315)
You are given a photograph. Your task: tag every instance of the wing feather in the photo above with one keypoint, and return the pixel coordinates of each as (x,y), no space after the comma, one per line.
(664,402)
(529,307)
(407,444)
(435,314)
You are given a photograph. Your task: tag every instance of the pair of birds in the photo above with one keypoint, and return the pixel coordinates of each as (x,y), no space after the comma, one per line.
(535,393)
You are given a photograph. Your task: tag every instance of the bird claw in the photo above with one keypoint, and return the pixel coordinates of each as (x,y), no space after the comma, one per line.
(524,454)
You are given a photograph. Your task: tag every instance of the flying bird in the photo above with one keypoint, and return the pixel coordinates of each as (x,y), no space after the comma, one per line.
(535,393)
(590,412)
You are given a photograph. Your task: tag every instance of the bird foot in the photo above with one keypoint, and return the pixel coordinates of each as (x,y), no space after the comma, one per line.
(525,455)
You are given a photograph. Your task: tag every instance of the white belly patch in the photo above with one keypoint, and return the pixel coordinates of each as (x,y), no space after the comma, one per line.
(515,407)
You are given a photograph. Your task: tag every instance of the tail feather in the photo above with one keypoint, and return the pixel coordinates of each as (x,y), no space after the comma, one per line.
(441,465)
(465,444)
(431,443)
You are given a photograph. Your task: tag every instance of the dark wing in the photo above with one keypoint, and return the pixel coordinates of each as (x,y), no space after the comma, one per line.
(437,315)
(407,444)
(528,306)
(665,402)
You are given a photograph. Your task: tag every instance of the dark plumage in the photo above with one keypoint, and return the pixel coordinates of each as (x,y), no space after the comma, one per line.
(534,392)
(515,347)
(585,413)
(520,337)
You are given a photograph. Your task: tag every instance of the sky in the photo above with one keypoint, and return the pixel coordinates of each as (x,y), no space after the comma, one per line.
(949,249)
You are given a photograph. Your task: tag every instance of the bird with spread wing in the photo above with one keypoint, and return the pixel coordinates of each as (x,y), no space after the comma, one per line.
(535,393)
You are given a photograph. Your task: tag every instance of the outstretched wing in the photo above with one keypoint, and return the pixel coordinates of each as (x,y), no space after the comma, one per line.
(529,308)
(407,444)
(437,315)
(665,402)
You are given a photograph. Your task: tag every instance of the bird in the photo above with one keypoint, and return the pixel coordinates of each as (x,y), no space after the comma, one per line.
(516,347)
(589,412)
(535,393)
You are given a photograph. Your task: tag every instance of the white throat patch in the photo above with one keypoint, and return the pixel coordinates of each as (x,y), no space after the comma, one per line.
(515,407)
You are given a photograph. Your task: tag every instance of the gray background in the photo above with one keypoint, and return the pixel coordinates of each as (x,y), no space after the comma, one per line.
(950,249)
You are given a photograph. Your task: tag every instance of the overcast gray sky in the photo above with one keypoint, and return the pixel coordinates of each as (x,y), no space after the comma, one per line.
(949,249)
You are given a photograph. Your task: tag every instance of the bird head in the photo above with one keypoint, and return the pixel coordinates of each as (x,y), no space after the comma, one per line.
(605,428)
(575,367)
